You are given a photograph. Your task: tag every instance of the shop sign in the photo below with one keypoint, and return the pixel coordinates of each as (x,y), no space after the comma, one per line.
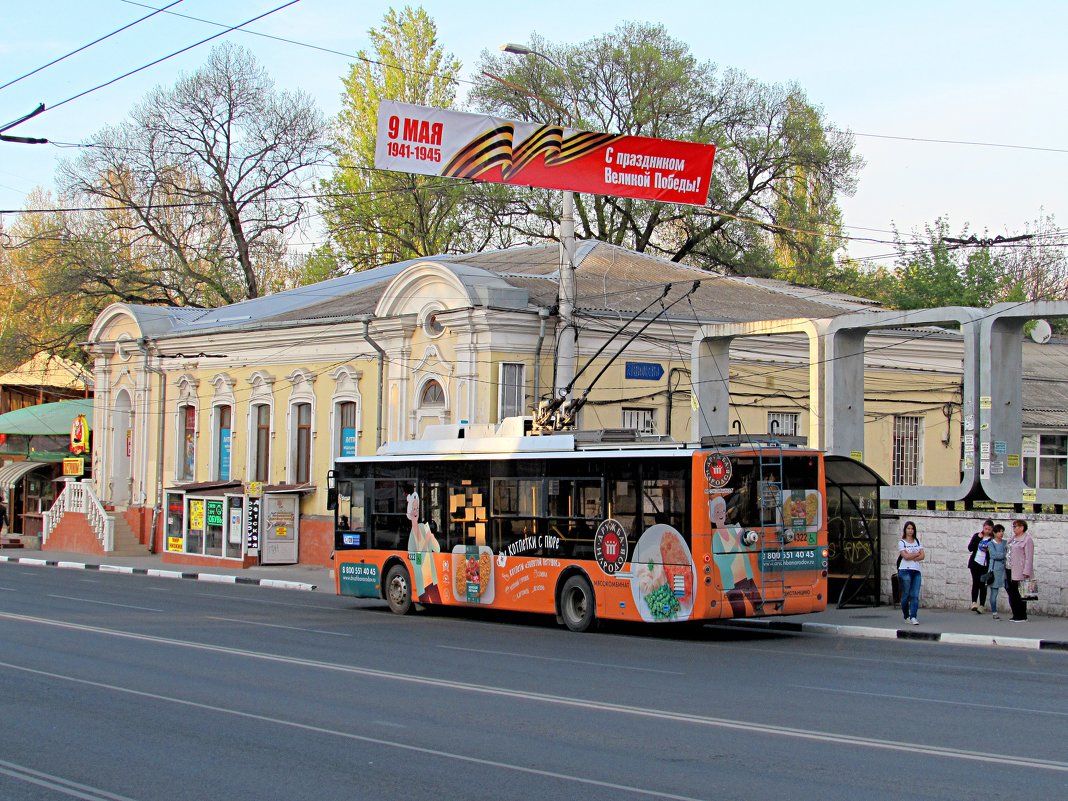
(196,515)
(252,524)
(174,544)
(254,489)
(74,466)
(214,513)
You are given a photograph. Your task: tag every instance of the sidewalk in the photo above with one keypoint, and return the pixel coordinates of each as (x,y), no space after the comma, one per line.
(958,627)
(883,622)
(287,577)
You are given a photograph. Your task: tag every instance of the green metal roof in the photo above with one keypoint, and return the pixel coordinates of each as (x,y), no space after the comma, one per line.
(50,419)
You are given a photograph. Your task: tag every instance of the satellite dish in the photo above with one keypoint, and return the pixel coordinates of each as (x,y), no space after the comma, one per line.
(1041,332)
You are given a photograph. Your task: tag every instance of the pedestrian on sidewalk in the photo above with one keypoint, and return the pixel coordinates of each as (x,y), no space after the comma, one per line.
(3,518)
(977,564)
(1021,567)
(995,551)
(909,575)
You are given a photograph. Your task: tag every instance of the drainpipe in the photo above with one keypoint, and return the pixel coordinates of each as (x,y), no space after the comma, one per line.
(162,403)
(381,377)
(543,315)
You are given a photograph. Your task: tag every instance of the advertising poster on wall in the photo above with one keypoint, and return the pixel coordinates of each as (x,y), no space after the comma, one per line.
(431,141)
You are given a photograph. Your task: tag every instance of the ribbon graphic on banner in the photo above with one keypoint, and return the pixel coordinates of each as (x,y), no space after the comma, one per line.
(421,140)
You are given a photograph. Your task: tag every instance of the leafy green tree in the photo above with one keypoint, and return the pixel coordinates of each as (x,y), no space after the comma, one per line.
(778,162)
(932,272)
(375,217)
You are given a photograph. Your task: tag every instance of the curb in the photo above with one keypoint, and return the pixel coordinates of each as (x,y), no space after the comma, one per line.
(216,578)
(873,632)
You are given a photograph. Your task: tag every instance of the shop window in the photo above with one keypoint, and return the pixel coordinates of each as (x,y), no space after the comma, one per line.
(302,425)
(187,435)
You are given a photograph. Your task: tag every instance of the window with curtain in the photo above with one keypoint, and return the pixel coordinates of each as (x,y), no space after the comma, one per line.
(223,441)
(302,442)
(261,464)
(187,417)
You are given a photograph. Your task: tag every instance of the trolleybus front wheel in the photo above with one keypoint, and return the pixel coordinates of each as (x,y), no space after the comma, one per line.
(398,590)
(577,607)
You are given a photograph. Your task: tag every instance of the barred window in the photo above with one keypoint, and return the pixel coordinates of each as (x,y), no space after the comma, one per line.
(784,424)
(908,450)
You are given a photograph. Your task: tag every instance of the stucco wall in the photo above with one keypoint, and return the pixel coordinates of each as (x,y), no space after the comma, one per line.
(946,579)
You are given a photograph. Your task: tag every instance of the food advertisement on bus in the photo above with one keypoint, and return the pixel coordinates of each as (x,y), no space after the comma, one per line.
(662,576)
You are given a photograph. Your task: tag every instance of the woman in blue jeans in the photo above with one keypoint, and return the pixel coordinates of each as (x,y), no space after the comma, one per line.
(909,574)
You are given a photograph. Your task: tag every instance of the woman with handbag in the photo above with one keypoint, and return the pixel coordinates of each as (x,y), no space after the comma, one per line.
(1021,567)
(977,564)
(995,551)
(908,572)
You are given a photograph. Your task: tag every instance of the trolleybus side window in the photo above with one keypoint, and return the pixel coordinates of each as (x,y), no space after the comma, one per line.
(514,515)
(467,512)
(574,512)
(391,524)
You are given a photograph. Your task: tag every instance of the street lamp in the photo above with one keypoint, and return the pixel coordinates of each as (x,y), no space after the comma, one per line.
(567,341)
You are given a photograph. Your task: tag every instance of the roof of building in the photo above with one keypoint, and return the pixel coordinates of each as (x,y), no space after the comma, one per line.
(1045,384)
(47,370)
(609,280)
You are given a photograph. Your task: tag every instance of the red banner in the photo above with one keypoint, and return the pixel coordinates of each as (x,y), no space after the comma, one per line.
(431,141)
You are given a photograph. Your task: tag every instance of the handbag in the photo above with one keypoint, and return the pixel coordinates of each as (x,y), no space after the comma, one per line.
(1029,589)
(987,578)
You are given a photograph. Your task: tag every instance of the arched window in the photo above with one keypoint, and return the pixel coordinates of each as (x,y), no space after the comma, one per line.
(433,395)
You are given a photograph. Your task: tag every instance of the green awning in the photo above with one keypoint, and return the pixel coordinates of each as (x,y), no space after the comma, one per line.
(49,419)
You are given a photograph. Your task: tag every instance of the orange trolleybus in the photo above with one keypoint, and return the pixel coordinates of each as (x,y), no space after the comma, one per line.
(583,526)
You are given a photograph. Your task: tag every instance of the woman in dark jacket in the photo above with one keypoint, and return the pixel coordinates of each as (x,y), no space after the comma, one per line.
(977,564)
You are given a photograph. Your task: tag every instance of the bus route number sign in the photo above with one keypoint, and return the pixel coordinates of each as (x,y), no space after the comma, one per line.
(718,470)
(610,547)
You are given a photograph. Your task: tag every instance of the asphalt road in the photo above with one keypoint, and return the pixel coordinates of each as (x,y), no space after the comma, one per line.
(125,687)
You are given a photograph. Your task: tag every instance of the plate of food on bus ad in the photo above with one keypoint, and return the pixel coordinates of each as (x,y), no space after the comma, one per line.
(472,574)
(662,576)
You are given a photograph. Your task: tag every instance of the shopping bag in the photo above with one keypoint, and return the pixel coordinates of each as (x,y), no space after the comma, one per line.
(1029,589)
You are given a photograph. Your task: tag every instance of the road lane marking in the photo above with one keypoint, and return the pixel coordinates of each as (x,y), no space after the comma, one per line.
(914,748)
(559,659)
(8,589)
(58,783)
(491,763)
(277,626)
(105,603)
(921,700)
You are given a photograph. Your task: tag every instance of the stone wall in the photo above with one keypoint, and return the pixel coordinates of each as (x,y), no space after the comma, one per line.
(946,579)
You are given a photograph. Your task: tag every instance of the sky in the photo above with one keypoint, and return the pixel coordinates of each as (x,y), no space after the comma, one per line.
(896,75)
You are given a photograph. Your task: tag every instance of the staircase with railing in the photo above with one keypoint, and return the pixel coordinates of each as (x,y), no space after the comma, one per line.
(78,496)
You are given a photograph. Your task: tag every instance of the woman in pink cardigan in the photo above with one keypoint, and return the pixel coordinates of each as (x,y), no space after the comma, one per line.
(1021,566)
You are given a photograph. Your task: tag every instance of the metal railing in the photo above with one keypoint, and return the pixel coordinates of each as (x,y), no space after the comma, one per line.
(78,496)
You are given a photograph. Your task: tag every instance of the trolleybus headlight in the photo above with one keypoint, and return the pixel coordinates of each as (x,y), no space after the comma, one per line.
(788,535)
(750,537)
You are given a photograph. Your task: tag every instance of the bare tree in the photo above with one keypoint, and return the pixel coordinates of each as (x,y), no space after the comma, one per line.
(214,176)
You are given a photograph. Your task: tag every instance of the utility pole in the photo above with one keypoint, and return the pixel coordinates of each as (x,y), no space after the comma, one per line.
(567,335)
